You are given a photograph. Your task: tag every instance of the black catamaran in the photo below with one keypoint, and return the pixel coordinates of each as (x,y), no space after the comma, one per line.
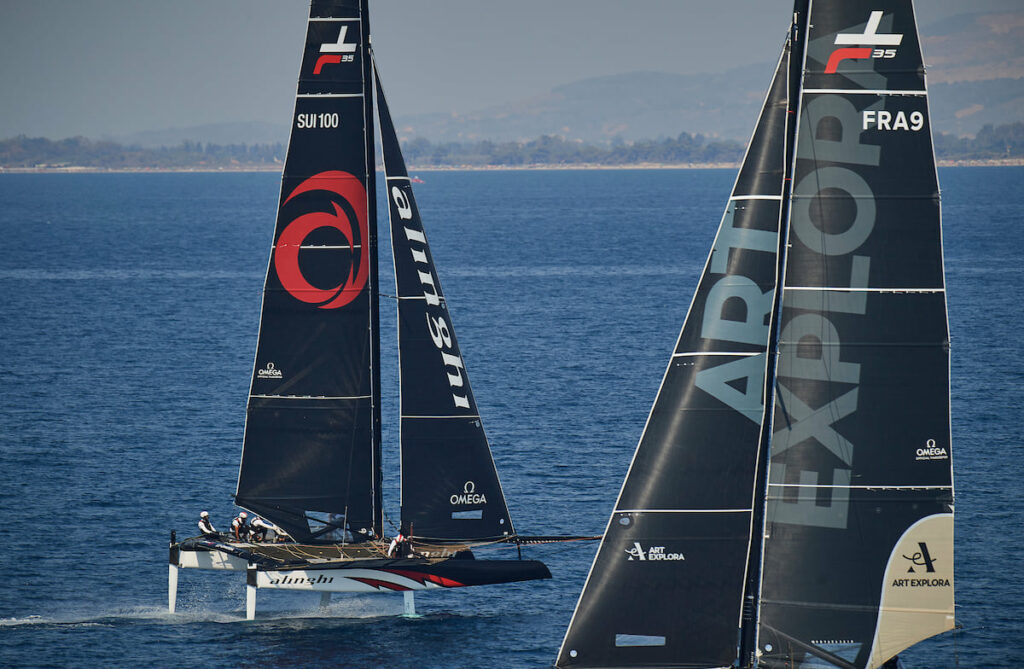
(311,460)
(819,532)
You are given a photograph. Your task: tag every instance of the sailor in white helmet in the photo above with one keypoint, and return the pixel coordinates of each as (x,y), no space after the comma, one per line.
(258,529)
(240,528)
(205,526)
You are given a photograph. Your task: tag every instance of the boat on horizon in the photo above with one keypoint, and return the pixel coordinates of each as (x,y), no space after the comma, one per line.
(790,501)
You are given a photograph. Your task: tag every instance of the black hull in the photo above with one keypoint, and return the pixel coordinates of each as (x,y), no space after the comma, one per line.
(449,573)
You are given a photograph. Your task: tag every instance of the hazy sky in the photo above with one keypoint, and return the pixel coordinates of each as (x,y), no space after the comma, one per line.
(95,67)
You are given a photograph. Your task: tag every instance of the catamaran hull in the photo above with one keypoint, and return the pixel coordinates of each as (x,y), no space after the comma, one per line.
(402,575)
(214,560)
(331,568)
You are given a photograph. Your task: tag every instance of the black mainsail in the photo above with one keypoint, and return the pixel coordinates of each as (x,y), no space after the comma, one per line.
(311,454)
(450,487)
(818,533)
(311,459)
(860,476)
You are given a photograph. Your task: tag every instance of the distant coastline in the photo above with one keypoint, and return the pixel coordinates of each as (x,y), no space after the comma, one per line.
(71,169)
(1002,145)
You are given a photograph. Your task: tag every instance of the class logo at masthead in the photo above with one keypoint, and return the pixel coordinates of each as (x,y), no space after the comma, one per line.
(334,53)
(866,44)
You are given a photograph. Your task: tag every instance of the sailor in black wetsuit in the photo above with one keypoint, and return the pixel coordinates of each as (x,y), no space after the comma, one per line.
(206,527)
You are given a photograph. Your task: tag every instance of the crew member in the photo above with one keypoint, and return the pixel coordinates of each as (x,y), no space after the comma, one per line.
(240,528)
(399,546)
(258,529)
(205,526)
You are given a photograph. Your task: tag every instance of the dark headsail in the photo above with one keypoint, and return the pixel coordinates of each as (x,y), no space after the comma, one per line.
(666,588)
(450,487)
(310,459)
(858,563)
(843,554)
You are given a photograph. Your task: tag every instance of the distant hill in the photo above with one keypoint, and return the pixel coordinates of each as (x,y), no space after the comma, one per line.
(975,74)
(656,104)
(627,106)
(975,47)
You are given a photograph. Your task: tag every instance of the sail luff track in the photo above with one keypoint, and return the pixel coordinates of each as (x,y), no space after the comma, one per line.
(376,469)
(792,65)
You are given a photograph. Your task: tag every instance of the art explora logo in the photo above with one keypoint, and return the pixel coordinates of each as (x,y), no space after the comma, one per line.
(864,42)
(924,559)
(653,553)
(921,559)
(286,254)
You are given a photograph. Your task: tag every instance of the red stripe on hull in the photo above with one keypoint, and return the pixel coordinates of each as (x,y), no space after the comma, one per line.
(420,577)
(376,583)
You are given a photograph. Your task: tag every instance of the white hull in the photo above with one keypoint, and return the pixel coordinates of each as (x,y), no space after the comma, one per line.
(214,560)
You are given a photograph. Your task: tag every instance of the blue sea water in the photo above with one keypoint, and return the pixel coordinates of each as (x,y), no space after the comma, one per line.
(128,320)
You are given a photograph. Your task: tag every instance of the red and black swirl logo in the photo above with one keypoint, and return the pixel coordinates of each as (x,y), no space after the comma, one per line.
(351,203)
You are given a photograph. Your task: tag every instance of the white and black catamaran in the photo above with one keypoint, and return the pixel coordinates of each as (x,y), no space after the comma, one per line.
(790,503)
(311,460)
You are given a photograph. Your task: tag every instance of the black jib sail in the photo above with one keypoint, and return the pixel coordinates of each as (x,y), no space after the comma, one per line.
(820,533)
(311,452)
(450,487)
(667,584)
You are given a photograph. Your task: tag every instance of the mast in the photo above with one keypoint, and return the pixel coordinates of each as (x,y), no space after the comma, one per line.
(371,197)
(793,59)
(858,555)
(450,486)
(310,458)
